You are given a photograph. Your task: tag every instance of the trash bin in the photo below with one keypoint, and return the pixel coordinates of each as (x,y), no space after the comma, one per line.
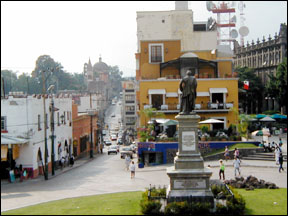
(140,165)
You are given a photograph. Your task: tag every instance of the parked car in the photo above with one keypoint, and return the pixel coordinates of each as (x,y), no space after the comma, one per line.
(108,143)
(126,151)
(113,137)
(113,149)
(113,115)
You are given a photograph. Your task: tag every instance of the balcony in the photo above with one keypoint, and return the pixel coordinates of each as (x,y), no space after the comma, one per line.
(199,108)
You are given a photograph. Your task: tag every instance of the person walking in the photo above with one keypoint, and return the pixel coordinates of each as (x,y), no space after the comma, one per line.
(280,159)
(132,169)
(222,169)
(226,153)
(101,148)
(72,160)
(236,164)
(236,153)
(277,154)
(127,161)
(62,162)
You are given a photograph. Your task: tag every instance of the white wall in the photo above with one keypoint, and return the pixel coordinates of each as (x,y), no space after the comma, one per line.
(177,25)
(23,119)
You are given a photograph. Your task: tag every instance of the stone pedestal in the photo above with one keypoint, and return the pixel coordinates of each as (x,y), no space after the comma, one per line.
(189,179)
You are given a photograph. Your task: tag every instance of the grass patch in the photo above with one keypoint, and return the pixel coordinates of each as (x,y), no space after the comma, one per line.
(261,201)
(232,147)
(127,203)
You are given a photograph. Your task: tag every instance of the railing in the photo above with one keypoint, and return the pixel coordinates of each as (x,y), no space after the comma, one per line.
(202,106)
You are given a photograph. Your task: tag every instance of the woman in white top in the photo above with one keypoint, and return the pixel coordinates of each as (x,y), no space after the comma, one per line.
(132,169)
(127,161)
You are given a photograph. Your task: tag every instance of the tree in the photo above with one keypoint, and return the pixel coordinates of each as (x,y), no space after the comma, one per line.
(9,79)
(252,98)
(151,113)
(242,123)
(277,85)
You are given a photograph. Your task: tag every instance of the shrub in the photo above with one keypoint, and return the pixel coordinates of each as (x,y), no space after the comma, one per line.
(185,208)
(235,204)
(150,207)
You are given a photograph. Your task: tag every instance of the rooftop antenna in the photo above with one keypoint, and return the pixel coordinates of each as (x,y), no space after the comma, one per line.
(243,30)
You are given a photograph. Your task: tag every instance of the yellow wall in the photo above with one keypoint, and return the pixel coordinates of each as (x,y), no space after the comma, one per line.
(203,86)
(152,71)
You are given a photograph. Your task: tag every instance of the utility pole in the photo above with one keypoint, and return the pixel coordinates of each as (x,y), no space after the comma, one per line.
(52,131)
(91,124)
(45,129)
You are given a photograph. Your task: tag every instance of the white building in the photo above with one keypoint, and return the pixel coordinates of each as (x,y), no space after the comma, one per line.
(129,104)
(24,118)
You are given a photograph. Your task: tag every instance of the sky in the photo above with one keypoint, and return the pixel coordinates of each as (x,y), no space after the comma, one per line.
(73,32)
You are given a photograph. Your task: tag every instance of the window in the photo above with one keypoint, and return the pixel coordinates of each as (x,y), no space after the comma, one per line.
(39,122)
(3,123)
(155,53)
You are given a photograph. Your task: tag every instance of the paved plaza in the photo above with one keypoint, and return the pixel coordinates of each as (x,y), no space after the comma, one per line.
(106,174)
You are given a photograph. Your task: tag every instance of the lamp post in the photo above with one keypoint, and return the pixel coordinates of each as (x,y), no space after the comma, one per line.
(45,129)
(52,130)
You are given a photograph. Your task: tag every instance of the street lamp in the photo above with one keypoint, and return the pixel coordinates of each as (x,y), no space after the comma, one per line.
(52,130)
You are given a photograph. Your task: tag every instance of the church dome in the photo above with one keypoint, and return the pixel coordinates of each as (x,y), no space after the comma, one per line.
(189,55)
(100,66)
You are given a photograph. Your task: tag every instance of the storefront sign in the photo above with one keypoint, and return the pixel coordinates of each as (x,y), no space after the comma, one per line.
(188,140)
(194,183)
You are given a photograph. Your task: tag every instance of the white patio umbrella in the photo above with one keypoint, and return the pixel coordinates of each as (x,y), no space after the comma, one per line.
(211,121)
(267,119)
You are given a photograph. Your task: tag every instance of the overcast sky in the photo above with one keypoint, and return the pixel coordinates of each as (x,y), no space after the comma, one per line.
(71,32)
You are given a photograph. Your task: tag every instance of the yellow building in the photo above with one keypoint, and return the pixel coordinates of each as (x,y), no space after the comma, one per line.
(163,59)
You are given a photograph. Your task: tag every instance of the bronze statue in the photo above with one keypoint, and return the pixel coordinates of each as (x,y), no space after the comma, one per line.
(188,87)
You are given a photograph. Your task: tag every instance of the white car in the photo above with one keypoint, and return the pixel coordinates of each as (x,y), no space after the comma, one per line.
(113,137)
(113,149)
(126,151)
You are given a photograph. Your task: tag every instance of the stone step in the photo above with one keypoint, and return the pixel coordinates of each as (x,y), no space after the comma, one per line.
(260,158)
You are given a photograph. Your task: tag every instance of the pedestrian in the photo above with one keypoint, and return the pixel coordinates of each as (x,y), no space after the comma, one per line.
(280,141)
(277,154)
(21,173)
(127,161)
(236,164)
(132,169)
(72,160)
(236,153)
(101,148)
(62,162)
(222,169)
(226,153)
(280,159)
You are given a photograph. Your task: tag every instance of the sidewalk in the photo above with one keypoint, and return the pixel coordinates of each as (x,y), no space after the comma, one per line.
(77,163)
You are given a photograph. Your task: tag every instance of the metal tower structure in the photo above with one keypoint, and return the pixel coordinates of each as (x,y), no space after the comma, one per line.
(225,21)
(243,30)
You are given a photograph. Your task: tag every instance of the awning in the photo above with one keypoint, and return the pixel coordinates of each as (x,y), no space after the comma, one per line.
(156,91)
(171,94)
(8,139)
(218,90)
(203,94)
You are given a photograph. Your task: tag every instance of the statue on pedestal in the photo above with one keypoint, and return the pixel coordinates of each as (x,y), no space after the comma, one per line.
(188,86)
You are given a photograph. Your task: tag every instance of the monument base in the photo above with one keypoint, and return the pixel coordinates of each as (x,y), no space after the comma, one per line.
(191,185)
(189,196)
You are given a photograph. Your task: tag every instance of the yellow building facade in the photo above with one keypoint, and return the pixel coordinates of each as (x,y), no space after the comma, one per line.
(217,90)
(168,45)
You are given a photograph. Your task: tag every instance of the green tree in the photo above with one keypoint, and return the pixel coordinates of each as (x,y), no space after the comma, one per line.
(251,98)
(277,85)
(242,123)
(115,76)
(9,79)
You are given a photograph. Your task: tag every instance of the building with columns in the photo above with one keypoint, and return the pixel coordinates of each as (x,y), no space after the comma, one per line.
(263,56)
